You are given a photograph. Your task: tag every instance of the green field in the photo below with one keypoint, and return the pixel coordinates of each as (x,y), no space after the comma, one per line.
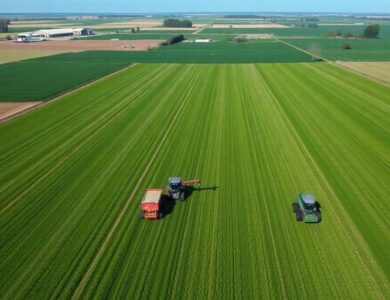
(43,78)
(73,173)
(299,32)
(46,77)
(332,48)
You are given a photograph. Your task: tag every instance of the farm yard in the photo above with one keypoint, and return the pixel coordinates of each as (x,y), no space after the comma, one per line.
(73,173)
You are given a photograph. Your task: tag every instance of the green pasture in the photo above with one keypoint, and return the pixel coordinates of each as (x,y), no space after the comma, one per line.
(73,174)
(300,32)
(332,48)
(46,77)
(42,78)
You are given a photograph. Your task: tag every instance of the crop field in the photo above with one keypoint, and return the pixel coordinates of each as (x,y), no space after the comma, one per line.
(73,173)
(332,48)
(49,76)
(7,56)
(377,70)
(300,32)
(42,78)
(264,51)
(134,36)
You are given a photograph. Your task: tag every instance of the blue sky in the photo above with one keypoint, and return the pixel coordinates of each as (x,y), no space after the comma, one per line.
(153,6)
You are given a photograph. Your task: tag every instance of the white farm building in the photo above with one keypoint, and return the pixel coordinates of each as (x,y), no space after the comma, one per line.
(54,33)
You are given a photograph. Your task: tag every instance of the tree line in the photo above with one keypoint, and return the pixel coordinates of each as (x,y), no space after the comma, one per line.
(370,32)
(177,23)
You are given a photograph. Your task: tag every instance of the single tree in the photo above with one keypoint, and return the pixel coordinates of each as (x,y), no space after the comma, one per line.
(347,46)
(4,25)
(371,31)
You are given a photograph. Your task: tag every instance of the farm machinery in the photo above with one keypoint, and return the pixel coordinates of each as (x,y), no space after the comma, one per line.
(306,209)
(177,187)
(151,204)
(153,201)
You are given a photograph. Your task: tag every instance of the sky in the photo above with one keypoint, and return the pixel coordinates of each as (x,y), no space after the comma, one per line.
(155,6)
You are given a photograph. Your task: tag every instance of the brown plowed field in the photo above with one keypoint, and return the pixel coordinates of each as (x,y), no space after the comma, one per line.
(10,109)
(80,45)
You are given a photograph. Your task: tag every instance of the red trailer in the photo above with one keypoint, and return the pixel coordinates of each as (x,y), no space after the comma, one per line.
(151,204)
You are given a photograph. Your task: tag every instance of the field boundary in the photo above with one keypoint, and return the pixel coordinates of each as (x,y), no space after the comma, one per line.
(302,50)
(64,94)
(85,279)
(365,75)
(334,63)
(16,112)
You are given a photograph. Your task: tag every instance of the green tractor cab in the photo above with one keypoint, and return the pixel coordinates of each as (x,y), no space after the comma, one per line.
(306,209)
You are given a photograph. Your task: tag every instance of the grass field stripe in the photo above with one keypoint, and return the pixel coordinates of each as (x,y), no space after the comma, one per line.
(74,150)
(80,288)
(69,92)
(60,123)
(69,154)
(355,89)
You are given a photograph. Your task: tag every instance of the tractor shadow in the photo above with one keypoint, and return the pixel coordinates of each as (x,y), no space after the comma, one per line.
(168,204)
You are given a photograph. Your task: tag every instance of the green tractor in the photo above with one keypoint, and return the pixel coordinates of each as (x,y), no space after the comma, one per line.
(306,209)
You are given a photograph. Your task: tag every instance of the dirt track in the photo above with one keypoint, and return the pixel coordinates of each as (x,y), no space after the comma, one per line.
(11,109)
(81,45)
(247,26)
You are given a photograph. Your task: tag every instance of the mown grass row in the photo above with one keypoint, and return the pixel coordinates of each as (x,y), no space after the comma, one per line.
(260,133)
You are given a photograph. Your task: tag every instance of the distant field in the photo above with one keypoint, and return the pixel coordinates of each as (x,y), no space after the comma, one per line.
(362,49)
(135,36)
(73,174)
(223,52)
(46,77)
(377,70)
(219,52)
(41,78)
(299,32)
(7,56)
